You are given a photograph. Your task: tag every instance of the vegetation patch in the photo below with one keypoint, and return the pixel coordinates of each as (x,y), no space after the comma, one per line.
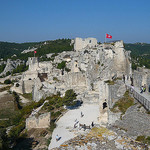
(61,65)
(143,139)
(7,81)
(110,82)
(140,54)
(55,79)
(4,88)
(123,104)
(2,67)
(20,68)
(98,132)
(27,96)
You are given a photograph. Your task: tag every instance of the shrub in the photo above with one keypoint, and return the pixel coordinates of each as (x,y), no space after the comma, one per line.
(143,139)
(69,97)
(4,88)
(67,69)
(50,108)
(15,131)
(55,79)
(61,65)
(110,82)
(8,73)
(56,114)
(7,81)
(16,98)
(27,95)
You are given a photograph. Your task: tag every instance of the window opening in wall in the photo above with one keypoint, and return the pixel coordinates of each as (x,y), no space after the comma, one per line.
(62,72)
(104,105)
(17,85)
(90,41)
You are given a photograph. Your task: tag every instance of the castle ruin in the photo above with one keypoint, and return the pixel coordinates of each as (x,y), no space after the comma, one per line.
(91,65)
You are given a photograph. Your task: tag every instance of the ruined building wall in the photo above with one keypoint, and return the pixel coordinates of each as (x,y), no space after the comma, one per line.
(42,121)
(80,43)
(33,63)
(74,79)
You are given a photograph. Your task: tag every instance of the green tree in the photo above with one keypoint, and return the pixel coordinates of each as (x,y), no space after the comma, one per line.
(61,65)
(7,81)
(69,98)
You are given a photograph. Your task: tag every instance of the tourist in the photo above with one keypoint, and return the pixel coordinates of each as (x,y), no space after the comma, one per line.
(141,89)
(92,124)
(144,88)
(82,114)
(84,126)
(131,81)
(123,78)
(57,137)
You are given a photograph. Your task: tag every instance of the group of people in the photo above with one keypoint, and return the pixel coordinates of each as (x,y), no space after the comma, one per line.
(75,125)
(127,77)
(76,121)
(143,88)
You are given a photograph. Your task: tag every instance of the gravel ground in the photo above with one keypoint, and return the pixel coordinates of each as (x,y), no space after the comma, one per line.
(65,125)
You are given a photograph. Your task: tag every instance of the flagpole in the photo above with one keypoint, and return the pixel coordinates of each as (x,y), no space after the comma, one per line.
(105,37)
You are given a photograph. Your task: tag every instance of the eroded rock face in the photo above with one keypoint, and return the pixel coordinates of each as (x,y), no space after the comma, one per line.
(11,65)
(135,121)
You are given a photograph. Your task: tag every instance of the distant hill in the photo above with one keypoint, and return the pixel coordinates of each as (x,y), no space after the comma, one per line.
(140,53)
(9,49)
(138,49)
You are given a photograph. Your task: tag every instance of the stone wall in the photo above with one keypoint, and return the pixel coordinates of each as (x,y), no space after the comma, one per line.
(42,121)
(33,63)
(80,43)
(141,76)
(75,79)
(116,92)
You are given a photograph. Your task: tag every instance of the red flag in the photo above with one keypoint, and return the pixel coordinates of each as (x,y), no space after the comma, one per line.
(34,52)
(108,36)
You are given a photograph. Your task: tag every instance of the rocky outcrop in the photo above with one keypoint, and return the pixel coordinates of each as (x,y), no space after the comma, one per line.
(100,139)
(11,65)
(135,121)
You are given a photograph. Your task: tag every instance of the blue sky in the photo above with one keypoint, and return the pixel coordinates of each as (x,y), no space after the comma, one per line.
(39,20)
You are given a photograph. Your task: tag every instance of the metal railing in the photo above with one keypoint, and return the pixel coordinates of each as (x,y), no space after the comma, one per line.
(145,102)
